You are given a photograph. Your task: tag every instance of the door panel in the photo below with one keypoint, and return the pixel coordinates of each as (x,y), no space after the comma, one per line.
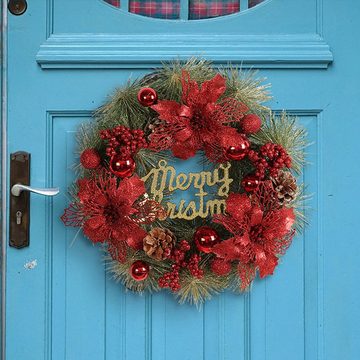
(64,58)
(223,326)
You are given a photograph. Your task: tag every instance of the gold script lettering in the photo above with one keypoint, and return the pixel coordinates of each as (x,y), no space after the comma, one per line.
(164,178)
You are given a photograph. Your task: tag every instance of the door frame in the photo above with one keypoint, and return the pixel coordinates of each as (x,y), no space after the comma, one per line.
(3,166)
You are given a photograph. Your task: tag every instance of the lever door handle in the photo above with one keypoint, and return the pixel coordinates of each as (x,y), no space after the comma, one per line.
(18,188)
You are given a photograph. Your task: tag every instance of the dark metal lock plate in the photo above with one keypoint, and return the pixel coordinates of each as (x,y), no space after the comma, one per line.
(19,205)
(17,7)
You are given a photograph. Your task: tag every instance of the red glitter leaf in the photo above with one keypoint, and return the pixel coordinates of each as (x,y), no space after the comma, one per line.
(199,122)
(72,216)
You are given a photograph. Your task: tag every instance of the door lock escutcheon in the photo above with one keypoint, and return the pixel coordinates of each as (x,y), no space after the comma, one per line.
(20,189)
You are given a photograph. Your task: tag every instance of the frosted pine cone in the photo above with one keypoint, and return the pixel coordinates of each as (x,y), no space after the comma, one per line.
(159,243)
(152,125)
(285,186)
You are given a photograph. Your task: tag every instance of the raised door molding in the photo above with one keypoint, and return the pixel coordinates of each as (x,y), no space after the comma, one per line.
(290,35)
(134,51)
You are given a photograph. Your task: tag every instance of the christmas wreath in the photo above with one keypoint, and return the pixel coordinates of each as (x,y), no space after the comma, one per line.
(244,212)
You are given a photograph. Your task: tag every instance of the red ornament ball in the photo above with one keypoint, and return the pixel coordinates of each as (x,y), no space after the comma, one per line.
(220,267)
(122,167)
(205,238)
(90,159)
(250,183)
(139,270)
(250,124)
(238,151)
(147,96)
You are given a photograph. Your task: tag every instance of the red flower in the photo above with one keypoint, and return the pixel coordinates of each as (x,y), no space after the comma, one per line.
(198,122)
(108,212)
(260,236)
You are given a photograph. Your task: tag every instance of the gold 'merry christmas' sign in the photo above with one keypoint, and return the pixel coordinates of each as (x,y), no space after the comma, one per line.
(164,179)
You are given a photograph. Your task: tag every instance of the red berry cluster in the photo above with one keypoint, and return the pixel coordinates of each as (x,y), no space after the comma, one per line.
(178,255)
(193,266)
(171,279)
(271,157)
(122,140)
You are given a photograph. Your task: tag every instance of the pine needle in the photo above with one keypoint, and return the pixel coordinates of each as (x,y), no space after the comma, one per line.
(123,108)
(147,160)
(196,291)
(299,204)
(284,130)
(120,271)
(167,80)
(244,86)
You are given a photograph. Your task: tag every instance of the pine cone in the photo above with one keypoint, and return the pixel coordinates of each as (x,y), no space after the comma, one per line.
(151,125)
(285,186)
(159,243)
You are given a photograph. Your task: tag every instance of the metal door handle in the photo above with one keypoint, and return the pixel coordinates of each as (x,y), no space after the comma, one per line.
(18,188)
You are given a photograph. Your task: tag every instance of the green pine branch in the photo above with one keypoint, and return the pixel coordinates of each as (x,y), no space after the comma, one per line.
(284,130)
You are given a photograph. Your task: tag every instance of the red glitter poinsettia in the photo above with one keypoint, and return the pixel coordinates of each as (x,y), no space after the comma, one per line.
(261,234)
(110,213)
(199,121)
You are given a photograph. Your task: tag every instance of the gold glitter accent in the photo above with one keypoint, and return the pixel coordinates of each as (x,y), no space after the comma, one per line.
(164,178)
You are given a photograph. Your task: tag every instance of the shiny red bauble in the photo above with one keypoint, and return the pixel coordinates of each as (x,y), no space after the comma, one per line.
(250,124)
(238,151)
(205,238)
(250,183)
(90,159)
(147,96)
(122,167)
(139,270)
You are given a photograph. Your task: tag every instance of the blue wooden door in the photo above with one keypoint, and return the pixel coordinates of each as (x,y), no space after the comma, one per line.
(64,58)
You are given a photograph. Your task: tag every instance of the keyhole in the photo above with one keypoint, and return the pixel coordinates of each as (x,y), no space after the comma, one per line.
(18,217)
(17,7)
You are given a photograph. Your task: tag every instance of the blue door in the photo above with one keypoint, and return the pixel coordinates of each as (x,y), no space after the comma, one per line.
(63,58)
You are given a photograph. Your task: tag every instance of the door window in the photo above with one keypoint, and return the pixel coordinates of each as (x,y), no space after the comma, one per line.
(194,9)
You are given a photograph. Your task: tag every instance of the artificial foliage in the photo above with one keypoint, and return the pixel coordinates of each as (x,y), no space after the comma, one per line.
(248,203)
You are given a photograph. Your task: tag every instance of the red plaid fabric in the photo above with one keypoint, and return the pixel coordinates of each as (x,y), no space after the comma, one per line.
(203,9)
(162,9)
(170,9)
